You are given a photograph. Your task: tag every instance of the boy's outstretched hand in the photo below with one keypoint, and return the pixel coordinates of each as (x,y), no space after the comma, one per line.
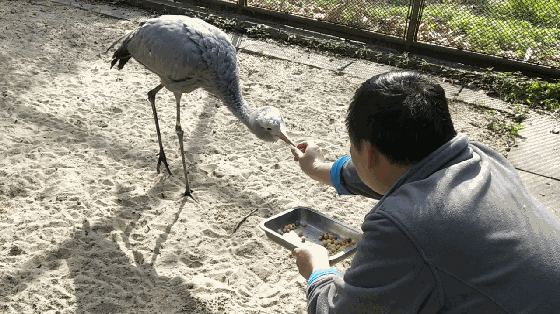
(311,161)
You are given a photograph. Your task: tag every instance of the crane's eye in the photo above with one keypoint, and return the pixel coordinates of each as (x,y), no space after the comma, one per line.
(270,129)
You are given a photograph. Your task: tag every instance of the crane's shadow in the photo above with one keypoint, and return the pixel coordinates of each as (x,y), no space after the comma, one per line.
(93,255)
(105,279)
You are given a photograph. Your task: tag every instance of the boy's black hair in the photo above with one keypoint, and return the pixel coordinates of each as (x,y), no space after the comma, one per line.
(404,115)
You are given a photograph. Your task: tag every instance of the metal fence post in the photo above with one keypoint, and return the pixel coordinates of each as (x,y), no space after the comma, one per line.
(241,4)
(413,23)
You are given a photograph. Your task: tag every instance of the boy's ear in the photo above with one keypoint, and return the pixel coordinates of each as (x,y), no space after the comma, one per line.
(372,155)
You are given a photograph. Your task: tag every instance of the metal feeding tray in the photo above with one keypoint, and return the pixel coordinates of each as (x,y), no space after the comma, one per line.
(317,223)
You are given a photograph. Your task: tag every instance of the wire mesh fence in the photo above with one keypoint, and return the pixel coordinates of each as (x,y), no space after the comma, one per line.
(524,30)
(382,16)
(520,30)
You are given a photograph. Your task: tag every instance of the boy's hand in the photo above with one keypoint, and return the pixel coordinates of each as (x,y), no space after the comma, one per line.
(311,161)
(308,155)
(311,257)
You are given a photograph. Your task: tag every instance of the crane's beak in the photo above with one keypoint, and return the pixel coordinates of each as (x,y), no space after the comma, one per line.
(286,139)
(283,135)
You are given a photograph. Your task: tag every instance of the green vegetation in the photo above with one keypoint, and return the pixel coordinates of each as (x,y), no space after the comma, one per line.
(280,5)
(546,93)
(536,93)
(538,12)
(258,30)
(387,17)
(517,29)
(511,130)
(526,30)
(501,126)
(327,4)
(519,113)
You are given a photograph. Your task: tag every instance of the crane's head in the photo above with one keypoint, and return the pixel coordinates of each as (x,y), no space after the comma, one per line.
(268,125)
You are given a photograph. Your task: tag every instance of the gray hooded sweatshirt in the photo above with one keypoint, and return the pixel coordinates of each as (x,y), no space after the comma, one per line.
(457,233)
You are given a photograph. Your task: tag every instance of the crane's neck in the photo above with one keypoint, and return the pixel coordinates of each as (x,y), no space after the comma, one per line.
(221,61)
(236,104)
(240,109)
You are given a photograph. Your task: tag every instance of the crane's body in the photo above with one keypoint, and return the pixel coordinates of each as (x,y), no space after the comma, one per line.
(188,53)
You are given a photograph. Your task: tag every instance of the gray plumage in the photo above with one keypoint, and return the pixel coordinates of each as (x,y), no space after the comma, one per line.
(188,53)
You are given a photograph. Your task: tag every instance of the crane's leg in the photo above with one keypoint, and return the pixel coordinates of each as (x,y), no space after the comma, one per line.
(152,99)
(179,132)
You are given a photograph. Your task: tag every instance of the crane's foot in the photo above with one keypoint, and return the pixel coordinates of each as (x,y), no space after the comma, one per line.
(188,192)
(163,160)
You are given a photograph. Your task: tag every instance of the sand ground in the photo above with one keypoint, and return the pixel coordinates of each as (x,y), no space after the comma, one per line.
(87,225)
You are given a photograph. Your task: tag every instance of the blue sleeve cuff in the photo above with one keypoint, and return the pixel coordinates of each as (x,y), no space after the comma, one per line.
(335,175)
(320,273)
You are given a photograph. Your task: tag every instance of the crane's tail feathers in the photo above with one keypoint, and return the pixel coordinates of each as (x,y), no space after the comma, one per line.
(122,62)
(118,40)
(122,55)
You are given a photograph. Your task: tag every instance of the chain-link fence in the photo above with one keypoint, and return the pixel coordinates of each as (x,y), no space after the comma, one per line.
(382,16)
(522,30)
